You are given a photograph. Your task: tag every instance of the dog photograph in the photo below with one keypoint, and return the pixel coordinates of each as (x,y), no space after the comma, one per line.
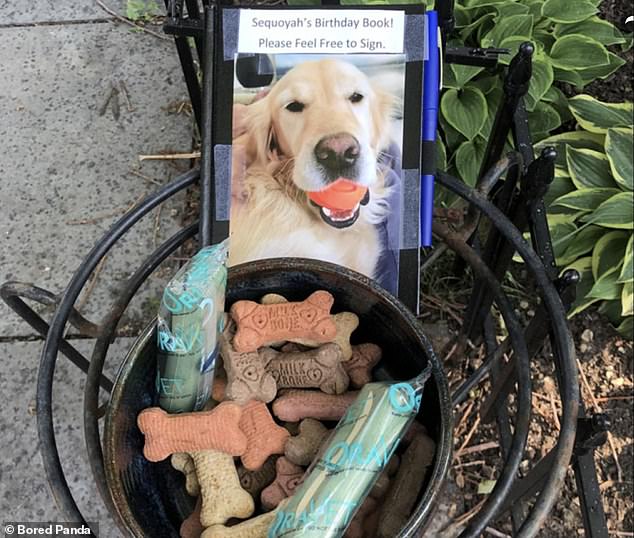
(316,162)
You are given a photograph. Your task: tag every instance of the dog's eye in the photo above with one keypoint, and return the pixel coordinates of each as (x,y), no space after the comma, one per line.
(295,106)
(355,97)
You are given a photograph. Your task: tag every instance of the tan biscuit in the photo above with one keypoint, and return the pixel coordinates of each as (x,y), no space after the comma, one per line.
(191,526)
(273,298)
(346,323)
(257,527)
(182,462)
(187,432)
(264,436)
(219,384)
(288,476)
(382,483)
(319,368)
(222,495)
(261,325)
(359,367)
(294,405)
(406,485)
(355,529)
(415,429)
(303,448)
(255,481)
(246,377)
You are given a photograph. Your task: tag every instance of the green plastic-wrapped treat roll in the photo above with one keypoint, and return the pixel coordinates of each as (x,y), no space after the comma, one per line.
(358,450)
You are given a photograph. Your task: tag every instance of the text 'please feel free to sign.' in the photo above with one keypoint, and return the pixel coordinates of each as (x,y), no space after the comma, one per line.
(321,31)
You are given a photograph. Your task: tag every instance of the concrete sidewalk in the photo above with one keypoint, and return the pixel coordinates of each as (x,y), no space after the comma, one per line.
(69,168)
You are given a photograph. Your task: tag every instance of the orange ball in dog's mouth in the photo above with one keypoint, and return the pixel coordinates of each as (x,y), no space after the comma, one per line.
(339,203)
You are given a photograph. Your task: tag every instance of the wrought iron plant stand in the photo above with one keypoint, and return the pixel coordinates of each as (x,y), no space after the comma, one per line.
(507,207)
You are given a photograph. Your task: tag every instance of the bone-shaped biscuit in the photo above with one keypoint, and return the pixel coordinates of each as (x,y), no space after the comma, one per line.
(220,489)
(264,436)
(261,325)
(319,368)
(256,527)
(382,483)
(217,429)
(355,529)
(219,384)
(287,477)
(359,367)
(255,481)
(302,448)
(406,485)
(183,462)
(246,377)
(346,323)
(191,526)
(294,405)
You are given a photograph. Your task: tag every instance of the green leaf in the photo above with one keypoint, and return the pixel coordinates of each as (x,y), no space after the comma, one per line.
(627,272)
(585,199)
(606,287)
(456,76)
(569,77)
(578,52)
(511,8)
(470,4)
(559,101)
(607,255)
(559,187)
(486,486)
(597,117)
(507,27)
(465,111)
(486,84)
(562,234)
(584,267)
(543,119)
(615,212)
(626,329)
(534,7)
(574,139)
(584,242)
(541,81)
(567,11)
(441,154)
(618,146)
(466,31)
(513,44)
(469,159)
(612,310)
(627,299)
(452,137)
(603,31)
(602,71)
(589,168)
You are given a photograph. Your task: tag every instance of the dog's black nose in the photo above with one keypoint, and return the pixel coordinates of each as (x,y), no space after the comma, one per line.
(337,152)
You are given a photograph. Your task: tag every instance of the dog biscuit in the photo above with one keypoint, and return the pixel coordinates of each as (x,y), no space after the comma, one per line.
(294,405)
(257,527)
(319,368)
(382,483)
(359,367)
(346,323)
(219,384)
(217,429)
(302,448)
(255,481)
(406,485)
(246,377)
(191,526)
(183,462)
(264,436)
(287,477)
(261,325)
(355,529)
(220,489)
(273,298)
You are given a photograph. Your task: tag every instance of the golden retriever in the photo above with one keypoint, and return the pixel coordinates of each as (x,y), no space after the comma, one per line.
(322,121)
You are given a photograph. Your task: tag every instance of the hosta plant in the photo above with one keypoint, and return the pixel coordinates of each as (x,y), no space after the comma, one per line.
(591,204)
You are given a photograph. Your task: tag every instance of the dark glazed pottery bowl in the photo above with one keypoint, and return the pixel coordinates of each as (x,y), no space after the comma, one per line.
(150,498)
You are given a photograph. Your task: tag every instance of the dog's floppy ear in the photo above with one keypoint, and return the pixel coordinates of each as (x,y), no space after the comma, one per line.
(259,124)
(382,109)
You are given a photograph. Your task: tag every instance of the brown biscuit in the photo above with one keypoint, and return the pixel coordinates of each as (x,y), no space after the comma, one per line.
(261,325)
(191,527)
(288,476)
(273,298)
(355,529)
(222,496)
(256,527)
(183,462)
(219,384)
(302,448)
(255,481)
(382,483)
(217,429)
(246,377)
(294,405)
(318,368)
(359,367)
(406,485)
(264,436)
(346,323)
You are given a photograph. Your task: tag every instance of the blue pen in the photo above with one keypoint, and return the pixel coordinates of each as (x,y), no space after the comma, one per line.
(431,94)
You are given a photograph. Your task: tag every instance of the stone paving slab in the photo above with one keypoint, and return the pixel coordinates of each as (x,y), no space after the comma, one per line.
(24,491)
(65,169)
(15,12)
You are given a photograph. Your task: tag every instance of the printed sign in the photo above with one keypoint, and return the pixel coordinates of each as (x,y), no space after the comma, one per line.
(321,31)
